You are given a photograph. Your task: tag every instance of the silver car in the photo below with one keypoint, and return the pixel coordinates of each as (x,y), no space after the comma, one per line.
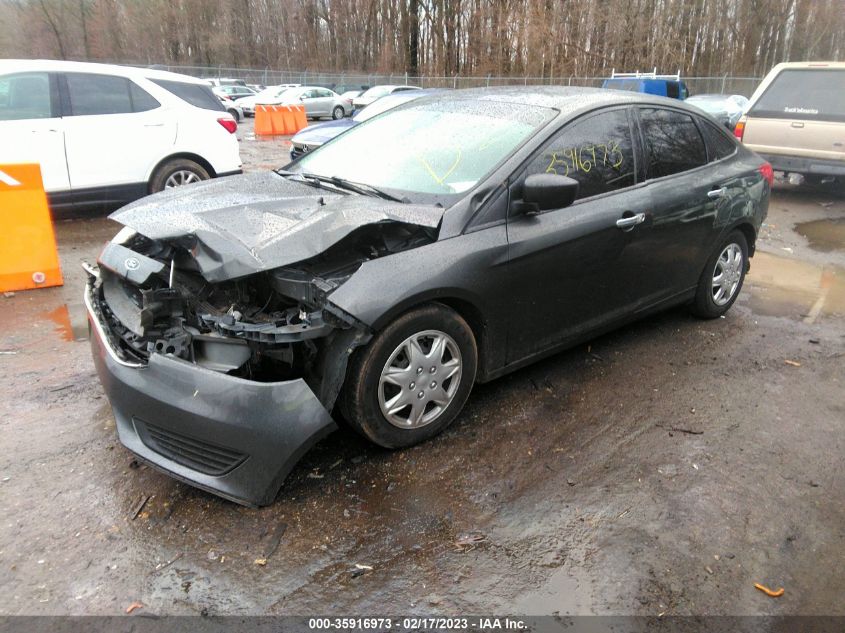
(726,109)
(319,102)
(377,92)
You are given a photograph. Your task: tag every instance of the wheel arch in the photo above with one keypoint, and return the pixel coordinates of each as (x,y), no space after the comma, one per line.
(466,306)
(750,235)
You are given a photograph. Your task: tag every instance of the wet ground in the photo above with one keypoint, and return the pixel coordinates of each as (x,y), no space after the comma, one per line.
(664,468)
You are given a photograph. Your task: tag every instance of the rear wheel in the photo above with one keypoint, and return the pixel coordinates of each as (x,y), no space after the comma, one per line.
(338,113)
(235,115)
(722,278)
(175,173)
(413,379)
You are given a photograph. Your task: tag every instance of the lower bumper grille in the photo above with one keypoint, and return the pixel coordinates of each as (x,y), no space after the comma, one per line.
(209,459)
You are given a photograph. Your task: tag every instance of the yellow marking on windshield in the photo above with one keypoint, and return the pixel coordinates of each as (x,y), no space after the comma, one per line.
(434,176)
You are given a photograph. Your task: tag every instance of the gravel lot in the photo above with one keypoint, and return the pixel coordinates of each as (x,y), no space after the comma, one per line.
(661,469)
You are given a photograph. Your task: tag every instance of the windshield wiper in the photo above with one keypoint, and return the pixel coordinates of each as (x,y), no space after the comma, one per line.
(357,187)
(342,183)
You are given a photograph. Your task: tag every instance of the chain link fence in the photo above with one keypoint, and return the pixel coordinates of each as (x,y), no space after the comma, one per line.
(725,84)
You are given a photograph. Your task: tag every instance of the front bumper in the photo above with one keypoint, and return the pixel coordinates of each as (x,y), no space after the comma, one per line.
(233,437)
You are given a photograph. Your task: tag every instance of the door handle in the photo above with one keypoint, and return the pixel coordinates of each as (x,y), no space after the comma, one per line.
(717,193)
(797,124)
(631,221)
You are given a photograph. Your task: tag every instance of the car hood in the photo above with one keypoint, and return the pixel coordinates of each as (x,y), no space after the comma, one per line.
(324,132)
(241,225)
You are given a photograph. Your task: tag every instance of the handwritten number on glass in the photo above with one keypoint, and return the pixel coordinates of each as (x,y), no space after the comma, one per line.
(585,157)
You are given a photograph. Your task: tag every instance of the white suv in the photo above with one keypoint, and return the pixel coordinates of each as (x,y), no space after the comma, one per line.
(107,135)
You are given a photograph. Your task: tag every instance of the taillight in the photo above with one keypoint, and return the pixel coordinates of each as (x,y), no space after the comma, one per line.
(739,130)
(767,172)
(229,124)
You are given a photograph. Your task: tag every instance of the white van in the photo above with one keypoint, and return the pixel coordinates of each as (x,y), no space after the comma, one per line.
(107,135)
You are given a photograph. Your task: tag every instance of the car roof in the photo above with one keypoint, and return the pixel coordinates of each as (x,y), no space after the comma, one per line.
(51,65)
(567,99)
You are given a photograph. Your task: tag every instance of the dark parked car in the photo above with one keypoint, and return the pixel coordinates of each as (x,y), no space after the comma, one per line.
(486,229)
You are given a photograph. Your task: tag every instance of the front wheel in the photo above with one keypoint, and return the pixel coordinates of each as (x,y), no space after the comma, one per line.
(413,378)
(722,278)
(338,113)
(235,115)
(175,173)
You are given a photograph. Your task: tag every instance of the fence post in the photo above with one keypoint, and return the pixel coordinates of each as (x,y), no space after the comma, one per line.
(723,83)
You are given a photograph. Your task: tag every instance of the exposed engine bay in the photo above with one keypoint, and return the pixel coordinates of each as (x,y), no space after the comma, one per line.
(270,326)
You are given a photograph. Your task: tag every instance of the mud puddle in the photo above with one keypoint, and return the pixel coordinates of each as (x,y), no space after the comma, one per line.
(786,287)
(824,235)
(68,329)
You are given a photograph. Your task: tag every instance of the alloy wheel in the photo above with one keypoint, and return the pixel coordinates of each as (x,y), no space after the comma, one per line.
(181,177)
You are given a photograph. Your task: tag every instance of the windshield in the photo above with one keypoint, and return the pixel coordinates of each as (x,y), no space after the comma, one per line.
(438,148)
(712,104)
(268,92)
(375,93)
(384,104)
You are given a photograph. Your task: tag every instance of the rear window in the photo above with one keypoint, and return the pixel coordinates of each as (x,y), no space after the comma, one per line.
(798,93)
(196,94)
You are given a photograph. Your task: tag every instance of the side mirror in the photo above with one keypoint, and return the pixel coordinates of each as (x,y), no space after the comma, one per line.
(542,192)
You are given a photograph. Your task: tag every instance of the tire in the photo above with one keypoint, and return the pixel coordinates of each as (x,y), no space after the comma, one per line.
(713,299)
(338,113)
(235,115)
(366,393)
(177,171)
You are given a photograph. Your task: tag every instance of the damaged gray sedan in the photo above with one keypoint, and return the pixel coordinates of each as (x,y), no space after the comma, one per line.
(376,279)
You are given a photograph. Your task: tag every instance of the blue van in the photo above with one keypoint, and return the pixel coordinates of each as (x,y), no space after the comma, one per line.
(650,83)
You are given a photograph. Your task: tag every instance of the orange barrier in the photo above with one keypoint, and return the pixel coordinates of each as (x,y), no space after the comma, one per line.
(263,121)
(289,120)
(300,120)
(278,120)
(28,255)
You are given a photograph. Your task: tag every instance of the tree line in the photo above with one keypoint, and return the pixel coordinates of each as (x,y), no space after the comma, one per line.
(536,38)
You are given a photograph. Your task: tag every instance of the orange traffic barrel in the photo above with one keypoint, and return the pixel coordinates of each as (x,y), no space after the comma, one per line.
(28,254)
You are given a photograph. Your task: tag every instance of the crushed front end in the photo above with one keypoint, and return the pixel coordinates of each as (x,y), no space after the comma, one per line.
(224,385)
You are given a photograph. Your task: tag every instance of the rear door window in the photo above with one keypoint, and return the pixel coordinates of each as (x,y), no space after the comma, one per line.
(91,94)
(25,96)
(719,144)
(597,151)
(197,95)
(673,143)
(97,94)
(141,99)
(798,93)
